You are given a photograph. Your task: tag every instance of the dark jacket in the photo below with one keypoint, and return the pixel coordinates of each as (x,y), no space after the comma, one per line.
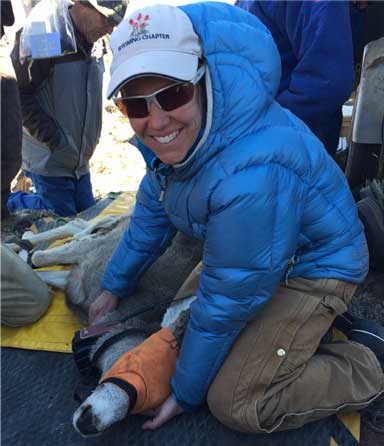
(315,43)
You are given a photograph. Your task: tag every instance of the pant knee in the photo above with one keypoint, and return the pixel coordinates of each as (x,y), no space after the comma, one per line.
(220,405)
(24,296)
(26,311)
(41,303)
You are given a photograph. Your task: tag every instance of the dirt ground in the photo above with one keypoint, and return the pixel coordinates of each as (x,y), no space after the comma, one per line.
(116,165)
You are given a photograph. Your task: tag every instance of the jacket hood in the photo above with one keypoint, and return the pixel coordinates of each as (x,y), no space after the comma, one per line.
(242,78)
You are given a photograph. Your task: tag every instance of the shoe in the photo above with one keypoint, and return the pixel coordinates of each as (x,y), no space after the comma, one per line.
(370,334)
(344,322)
(327,338)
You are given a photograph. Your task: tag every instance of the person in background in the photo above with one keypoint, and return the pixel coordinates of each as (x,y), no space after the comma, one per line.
(11,126)
(61,104)
(284,249)
(24,297)
(316,41)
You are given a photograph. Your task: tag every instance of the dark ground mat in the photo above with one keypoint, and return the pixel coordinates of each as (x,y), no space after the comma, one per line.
(37,408)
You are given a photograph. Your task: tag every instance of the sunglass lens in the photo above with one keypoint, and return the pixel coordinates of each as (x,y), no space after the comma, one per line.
(169,99)
(133,108)
(176,96)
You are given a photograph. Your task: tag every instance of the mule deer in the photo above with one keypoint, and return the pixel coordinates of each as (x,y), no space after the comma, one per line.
(88,252)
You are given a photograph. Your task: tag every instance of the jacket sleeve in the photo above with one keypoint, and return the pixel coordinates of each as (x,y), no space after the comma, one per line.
(321,39)
(30,76)
(251,235)
(148,235)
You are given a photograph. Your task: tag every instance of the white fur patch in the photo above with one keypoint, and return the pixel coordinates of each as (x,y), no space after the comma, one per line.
(174,311)
(108,404)
(58,279)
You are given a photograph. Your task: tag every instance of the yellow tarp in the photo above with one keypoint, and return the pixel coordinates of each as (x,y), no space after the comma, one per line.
(352,422)
(54,331)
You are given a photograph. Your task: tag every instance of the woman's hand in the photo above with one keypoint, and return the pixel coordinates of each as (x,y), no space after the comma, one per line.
(105,303)
(163,413)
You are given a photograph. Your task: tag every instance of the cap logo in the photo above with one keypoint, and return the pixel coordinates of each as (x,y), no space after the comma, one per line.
(139,25)
(140,32)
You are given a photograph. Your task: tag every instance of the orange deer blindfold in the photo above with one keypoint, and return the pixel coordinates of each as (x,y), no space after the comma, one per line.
(145,372)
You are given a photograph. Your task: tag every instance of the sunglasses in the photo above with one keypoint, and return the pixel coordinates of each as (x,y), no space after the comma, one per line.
(167,98)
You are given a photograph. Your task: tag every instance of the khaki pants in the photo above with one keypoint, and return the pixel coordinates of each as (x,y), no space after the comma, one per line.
(24,296)
(278,377)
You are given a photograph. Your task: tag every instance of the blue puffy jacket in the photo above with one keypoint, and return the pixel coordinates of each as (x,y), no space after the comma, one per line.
(259,189)
(315,42)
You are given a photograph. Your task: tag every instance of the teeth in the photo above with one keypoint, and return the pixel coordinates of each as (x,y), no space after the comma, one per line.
(166,139)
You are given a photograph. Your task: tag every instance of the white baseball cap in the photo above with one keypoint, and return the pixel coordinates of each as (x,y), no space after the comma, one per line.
(156,40)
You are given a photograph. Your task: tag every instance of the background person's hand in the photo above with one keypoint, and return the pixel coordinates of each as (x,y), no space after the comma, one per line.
(105,303)
(168,410)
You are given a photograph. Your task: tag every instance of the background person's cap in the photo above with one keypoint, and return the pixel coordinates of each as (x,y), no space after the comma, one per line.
(112,9)
(155,40)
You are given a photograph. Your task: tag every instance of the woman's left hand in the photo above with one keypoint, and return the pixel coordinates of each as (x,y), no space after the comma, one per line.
(163,413)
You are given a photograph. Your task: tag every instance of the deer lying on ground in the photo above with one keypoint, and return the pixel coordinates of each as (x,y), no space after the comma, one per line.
(88,251)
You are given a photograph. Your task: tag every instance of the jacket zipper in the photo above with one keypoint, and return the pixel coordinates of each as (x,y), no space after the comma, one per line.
(290,266)
(162,178)
(163,185)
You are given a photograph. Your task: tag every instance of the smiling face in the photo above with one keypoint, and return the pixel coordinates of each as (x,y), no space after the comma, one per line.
(170,135)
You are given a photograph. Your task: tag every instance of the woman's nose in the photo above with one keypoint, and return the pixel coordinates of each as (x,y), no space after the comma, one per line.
(157,118)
